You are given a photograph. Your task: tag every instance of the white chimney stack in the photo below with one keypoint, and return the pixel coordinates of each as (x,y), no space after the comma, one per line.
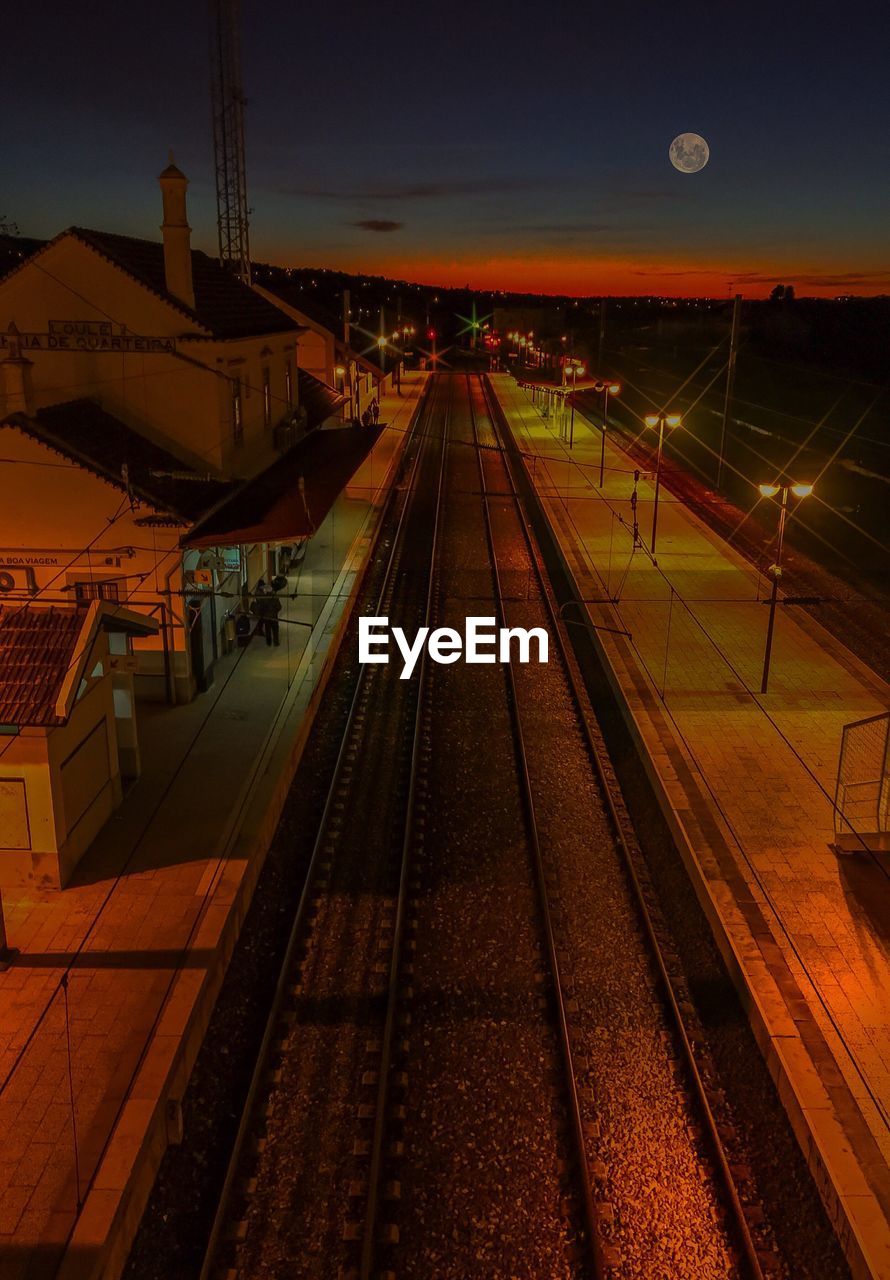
(177,236)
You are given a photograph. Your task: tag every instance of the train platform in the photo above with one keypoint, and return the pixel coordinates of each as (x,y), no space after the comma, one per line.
(104,1006)
(746,782)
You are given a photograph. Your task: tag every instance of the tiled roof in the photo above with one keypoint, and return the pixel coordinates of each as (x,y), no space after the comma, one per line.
(82,431)
(290,499)
(37,648)
(223,305)
(317,398)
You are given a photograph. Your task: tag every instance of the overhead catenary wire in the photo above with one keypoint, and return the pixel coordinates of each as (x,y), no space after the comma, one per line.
(816,426)
(615,605)
(769,463)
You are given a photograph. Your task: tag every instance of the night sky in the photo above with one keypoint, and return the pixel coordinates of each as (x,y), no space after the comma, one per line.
(504,145)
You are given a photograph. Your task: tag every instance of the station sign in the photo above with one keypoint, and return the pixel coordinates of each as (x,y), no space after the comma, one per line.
(27,559)
(95,336)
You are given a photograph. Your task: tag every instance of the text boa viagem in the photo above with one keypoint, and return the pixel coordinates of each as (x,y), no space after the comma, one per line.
(483,641)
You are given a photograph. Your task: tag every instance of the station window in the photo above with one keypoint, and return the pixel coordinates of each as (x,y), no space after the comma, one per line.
(104,589)
(237,412)
(267,396)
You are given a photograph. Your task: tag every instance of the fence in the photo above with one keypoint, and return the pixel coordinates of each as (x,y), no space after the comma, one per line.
(862,793)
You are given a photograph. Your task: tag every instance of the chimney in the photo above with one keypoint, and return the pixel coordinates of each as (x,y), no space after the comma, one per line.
(16,387)
(177,236)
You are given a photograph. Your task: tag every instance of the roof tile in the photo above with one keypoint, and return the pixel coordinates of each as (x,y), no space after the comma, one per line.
(223,304)
(37,648)
(84,432)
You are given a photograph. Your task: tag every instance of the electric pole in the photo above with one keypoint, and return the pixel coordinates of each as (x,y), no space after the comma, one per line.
(730,378)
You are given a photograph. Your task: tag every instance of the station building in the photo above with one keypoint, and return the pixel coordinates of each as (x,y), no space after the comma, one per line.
(165,432)
(67,732)
(333,359)
(141,386)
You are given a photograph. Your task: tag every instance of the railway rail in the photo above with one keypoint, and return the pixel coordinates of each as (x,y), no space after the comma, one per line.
(341,1016)
(377,914)
(756,1256)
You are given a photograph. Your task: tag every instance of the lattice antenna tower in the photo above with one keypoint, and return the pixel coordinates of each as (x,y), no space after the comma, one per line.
(227,97)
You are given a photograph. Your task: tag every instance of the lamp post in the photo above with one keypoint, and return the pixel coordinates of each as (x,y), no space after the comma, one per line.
(659,420)
(608,388)
(770,491)
(576,369)
(340,375)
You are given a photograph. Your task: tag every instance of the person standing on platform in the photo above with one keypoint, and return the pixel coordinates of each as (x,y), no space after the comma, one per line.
(262,593)
(271,609)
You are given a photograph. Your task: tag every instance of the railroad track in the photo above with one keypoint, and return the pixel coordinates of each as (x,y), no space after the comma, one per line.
(755,1255)
(355,920)
(597,1258)
(349,963)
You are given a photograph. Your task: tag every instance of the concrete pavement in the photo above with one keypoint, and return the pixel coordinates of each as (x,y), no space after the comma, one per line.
(747,783)
(103,1011)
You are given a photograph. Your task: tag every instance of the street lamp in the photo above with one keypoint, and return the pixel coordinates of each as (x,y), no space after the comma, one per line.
(576,369)
(770,491)
(659,420)
(613,389)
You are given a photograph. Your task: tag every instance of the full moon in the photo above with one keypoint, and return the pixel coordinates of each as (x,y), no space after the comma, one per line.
(689,152)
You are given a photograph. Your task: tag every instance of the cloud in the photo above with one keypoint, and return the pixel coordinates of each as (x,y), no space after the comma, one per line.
(566,228)
(686,271)
(800,279)
(839,281)
(656,193)
(419,190)
(376,224)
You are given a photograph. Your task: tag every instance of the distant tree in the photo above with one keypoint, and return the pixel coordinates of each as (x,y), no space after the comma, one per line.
(782,293)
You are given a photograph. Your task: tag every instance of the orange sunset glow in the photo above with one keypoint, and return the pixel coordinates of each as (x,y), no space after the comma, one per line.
(577,276)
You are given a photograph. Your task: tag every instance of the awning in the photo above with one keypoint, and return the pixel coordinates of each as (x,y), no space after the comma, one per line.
(291,498)
(561,388)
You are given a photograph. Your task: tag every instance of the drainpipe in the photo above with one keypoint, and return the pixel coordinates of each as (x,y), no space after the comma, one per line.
(170,645)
